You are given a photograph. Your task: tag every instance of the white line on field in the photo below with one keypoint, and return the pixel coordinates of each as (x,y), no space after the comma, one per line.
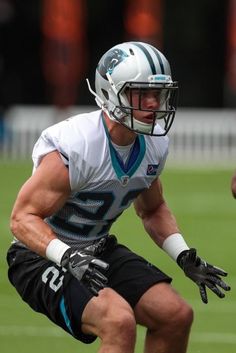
(214,337)
(33,331)
(218,307)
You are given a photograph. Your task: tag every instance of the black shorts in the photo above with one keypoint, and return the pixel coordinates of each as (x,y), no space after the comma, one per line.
(54,292)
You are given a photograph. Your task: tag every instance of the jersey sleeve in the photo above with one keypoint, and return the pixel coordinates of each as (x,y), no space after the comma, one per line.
(163,150)
(62,138)
(49,141)
(162,163)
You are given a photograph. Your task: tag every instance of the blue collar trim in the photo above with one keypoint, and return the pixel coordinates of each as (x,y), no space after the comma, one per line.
(134,160)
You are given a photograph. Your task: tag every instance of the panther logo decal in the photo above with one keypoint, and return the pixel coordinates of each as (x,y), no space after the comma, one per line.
(112,58)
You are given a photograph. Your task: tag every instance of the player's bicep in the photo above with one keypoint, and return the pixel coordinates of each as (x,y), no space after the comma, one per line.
(46,190)
(150,199)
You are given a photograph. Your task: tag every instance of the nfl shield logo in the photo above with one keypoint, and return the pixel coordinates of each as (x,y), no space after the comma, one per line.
(124,180)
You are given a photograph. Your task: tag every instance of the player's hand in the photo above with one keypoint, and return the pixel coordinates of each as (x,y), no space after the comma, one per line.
(86,268)
(203,274)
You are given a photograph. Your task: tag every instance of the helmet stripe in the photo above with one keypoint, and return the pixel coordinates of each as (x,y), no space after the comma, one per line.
(148,56)
(160,60)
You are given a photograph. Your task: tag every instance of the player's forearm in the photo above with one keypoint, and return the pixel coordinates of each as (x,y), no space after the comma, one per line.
(163,229)
(160,223)
(32,231)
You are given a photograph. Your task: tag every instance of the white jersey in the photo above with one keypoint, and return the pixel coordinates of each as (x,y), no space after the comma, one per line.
(102,187)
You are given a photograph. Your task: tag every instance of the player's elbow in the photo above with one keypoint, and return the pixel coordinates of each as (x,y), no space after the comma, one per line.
(16,223)
(141,212)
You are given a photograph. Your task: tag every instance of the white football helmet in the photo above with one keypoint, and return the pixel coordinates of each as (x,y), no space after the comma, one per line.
(135,67)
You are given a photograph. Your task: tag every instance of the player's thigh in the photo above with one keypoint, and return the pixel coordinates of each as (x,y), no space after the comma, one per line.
(107,313)
(49,289)
(160,305)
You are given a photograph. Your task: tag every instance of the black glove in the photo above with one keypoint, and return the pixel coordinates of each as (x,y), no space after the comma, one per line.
(202,273)
(85,267)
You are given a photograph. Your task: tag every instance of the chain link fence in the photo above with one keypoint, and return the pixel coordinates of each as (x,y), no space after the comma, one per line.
(198,136)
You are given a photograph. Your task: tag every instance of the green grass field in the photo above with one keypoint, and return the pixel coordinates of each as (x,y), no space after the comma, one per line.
(205,209)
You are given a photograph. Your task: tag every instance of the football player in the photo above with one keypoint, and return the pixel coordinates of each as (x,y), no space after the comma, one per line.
(87,170)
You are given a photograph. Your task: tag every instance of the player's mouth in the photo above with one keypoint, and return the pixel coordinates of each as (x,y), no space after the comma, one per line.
(148,119)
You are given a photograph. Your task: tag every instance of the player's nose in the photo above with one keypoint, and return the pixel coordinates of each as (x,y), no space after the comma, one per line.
(151,101)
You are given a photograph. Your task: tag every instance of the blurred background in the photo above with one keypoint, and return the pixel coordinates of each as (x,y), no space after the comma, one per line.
(49,47)
(47,50)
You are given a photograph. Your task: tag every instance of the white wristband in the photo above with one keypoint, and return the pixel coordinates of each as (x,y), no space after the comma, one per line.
(174,245)
(55,250)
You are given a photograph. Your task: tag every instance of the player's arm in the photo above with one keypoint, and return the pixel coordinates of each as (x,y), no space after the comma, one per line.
(233,185)
(156,216)
(161,225)
(42,195)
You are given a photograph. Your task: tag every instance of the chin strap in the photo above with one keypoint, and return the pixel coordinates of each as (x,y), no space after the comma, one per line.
(98,100)
(104,106)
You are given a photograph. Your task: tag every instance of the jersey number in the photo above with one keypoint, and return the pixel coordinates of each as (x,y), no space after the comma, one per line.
(102,202)
(53,277)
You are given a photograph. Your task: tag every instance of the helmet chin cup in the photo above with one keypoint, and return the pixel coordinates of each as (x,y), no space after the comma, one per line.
(127,120)
(139,126)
